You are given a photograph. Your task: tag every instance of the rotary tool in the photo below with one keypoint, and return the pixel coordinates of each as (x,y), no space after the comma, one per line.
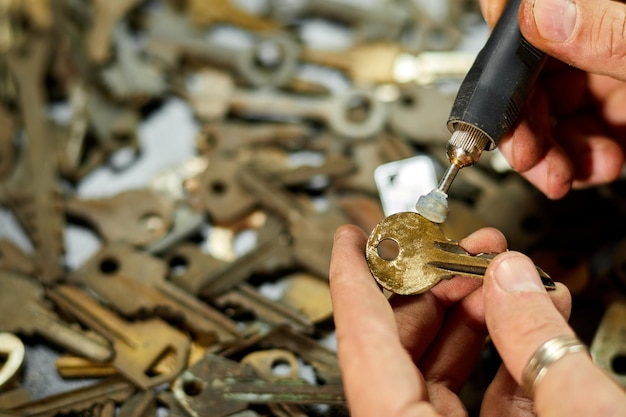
(487,104)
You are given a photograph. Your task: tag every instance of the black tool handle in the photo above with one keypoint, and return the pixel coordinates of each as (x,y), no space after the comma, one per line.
(495,89)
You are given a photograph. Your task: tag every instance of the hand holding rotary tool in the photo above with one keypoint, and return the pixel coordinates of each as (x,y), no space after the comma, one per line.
(573,135)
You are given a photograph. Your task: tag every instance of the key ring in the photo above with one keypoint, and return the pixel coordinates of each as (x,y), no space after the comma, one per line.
(548,353)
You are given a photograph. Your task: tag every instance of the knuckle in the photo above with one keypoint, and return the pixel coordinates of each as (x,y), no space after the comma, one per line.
(609,33)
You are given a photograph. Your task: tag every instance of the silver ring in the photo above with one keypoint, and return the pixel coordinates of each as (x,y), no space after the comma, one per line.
(548,353)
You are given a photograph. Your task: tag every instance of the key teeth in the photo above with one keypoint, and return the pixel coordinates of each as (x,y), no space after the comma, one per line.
(433,206)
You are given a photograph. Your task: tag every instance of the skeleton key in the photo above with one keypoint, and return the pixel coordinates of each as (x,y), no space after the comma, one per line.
(13,352)
(354,114)
(136,217)
(33,193)
(271,60)
(134,283)
(22,311)
(425,256)
(106,13)
(138,345)
(79,400)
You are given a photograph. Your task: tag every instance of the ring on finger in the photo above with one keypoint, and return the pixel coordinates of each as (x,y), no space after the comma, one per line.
(548,353)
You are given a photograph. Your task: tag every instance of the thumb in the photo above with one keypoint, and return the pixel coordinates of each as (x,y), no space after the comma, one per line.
(521,316)
(587,34)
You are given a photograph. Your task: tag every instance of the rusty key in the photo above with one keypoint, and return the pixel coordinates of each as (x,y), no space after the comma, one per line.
(138,345)
(424,257)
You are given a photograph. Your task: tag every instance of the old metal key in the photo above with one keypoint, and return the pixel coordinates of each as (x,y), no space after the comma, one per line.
(425,256)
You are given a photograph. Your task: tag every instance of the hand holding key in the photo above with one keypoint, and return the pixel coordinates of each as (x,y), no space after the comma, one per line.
(410,356)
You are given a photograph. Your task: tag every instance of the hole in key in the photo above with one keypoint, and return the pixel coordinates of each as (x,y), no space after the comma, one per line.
(388,249)
(192,387)
(152,222)
(618,364)
(358,108)
(281,367)
(268,55)
(218,187)
(109,266)
(238,312)
(178,265)
(407,100)
(210,139)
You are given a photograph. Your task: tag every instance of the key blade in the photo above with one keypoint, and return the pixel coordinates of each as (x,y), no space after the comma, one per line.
(473,266)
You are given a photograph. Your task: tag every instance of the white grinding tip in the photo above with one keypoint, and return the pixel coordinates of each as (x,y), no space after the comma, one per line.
(433,206)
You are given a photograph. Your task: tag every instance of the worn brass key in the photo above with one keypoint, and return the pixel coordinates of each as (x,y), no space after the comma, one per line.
(425,256)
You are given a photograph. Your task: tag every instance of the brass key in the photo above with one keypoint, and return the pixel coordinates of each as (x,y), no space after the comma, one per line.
(425,256)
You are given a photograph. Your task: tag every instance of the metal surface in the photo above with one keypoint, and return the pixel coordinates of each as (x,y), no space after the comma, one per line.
(424,256)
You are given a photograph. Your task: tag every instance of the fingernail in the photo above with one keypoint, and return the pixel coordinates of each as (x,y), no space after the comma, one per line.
(555,19)
(517,273)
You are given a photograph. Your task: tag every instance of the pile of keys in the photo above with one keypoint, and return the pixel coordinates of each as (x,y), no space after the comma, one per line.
(201,287)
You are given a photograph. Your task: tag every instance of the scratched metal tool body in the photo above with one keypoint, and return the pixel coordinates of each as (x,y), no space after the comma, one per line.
(425,256)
